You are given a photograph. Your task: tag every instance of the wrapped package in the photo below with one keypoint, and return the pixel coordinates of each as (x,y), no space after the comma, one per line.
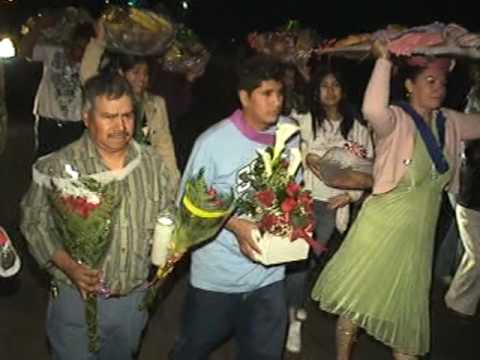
(186,54)
(341,158)
(435,39)
(137,31)
(64,22)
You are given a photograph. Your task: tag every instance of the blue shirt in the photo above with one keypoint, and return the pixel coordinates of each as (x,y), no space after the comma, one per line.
(225,153)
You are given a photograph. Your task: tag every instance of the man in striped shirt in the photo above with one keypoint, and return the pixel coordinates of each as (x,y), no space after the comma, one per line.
(106,149)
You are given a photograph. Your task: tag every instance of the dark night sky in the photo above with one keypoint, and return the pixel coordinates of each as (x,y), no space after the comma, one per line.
(224,19)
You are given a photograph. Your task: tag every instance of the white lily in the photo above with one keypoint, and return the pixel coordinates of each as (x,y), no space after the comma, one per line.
(283,133)
(294,162)
(267,161)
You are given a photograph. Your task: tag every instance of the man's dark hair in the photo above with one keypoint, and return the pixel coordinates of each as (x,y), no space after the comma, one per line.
(257,69)
(111,85)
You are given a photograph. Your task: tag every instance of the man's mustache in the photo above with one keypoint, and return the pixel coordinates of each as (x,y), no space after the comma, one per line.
(119,134)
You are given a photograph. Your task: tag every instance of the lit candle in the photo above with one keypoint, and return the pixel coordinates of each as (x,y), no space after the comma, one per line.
(161,238)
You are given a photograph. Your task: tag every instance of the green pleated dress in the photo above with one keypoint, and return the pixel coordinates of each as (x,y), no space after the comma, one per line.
(380,277)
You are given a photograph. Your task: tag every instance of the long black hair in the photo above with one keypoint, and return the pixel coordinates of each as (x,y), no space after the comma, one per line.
(317,110)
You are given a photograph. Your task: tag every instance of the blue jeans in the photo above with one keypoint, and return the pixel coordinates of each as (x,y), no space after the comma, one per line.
(297,273)
(120,326)
(257,320)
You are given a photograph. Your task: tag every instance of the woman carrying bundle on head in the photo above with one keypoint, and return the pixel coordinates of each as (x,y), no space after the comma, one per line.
(380,278)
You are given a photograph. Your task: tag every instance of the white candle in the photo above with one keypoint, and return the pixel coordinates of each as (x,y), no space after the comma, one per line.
(161,238)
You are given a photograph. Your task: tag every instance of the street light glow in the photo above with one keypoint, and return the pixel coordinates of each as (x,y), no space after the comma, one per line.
(7,49)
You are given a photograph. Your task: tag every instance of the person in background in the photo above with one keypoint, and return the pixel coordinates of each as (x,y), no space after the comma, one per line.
(330,122)
(152,124)
(146,189)
(58,102)
(380,277)
(464,293)
(178,91)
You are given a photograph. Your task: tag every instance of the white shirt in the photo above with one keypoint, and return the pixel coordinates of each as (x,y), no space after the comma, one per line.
(59,95)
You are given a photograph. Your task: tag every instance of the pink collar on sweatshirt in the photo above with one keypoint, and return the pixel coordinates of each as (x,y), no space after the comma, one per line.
(260,137)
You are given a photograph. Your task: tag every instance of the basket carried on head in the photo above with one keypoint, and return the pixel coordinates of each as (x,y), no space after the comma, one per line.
(137,31)
(436,39)
(63,23)
(186,54)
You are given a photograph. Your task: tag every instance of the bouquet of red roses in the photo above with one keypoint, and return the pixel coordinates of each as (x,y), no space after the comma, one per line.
(282,209)
(84,208)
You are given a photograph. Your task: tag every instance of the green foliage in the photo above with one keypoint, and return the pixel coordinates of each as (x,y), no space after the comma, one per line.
(259,181)
(87,239)
(192,229)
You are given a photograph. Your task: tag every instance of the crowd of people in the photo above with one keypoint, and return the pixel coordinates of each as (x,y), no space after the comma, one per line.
(97,117)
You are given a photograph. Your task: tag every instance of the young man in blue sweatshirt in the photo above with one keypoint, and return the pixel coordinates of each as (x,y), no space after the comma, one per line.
(229,293)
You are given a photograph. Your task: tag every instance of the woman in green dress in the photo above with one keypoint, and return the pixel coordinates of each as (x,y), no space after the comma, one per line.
(379,279)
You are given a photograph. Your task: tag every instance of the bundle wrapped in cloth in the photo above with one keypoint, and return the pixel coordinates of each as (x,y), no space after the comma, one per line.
(137,31)
(186,54)
(432,39)
(352,157)
(336,163)
(63,22)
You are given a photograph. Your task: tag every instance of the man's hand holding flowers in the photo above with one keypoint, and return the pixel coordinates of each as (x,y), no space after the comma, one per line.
(85,279)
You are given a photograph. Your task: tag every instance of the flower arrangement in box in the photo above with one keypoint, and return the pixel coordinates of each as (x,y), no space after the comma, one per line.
(278,204)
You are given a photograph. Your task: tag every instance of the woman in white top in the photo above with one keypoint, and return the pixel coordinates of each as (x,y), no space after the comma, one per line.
(331,122)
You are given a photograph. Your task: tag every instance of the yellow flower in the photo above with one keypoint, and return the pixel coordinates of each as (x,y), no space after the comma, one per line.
(294,162)
(283,133)
(267,161)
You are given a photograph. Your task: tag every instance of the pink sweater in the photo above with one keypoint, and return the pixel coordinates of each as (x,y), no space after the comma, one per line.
(395,132)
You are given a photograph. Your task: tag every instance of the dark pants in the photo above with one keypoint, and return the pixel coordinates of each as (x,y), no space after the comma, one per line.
(53,134)
(120,326)
(297,283)
(257,320)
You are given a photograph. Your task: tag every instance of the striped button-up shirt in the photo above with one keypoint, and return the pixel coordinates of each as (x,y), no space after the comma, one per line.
(145,192)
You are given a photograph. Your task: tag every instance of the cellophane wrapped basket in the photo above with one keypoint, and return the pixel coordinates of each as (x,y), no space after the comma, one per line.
(187,53)
(64,22)
(137,31)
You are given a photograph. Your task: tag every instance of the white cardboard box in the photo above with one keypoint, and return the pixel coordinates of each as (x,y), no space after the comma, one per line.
(279,249)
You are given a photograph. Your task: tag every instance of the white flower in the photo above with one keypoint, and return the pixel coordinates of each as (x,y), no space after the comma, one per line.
(71,172)
(76,189)
(283,133)
(267,161)
(294,162)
